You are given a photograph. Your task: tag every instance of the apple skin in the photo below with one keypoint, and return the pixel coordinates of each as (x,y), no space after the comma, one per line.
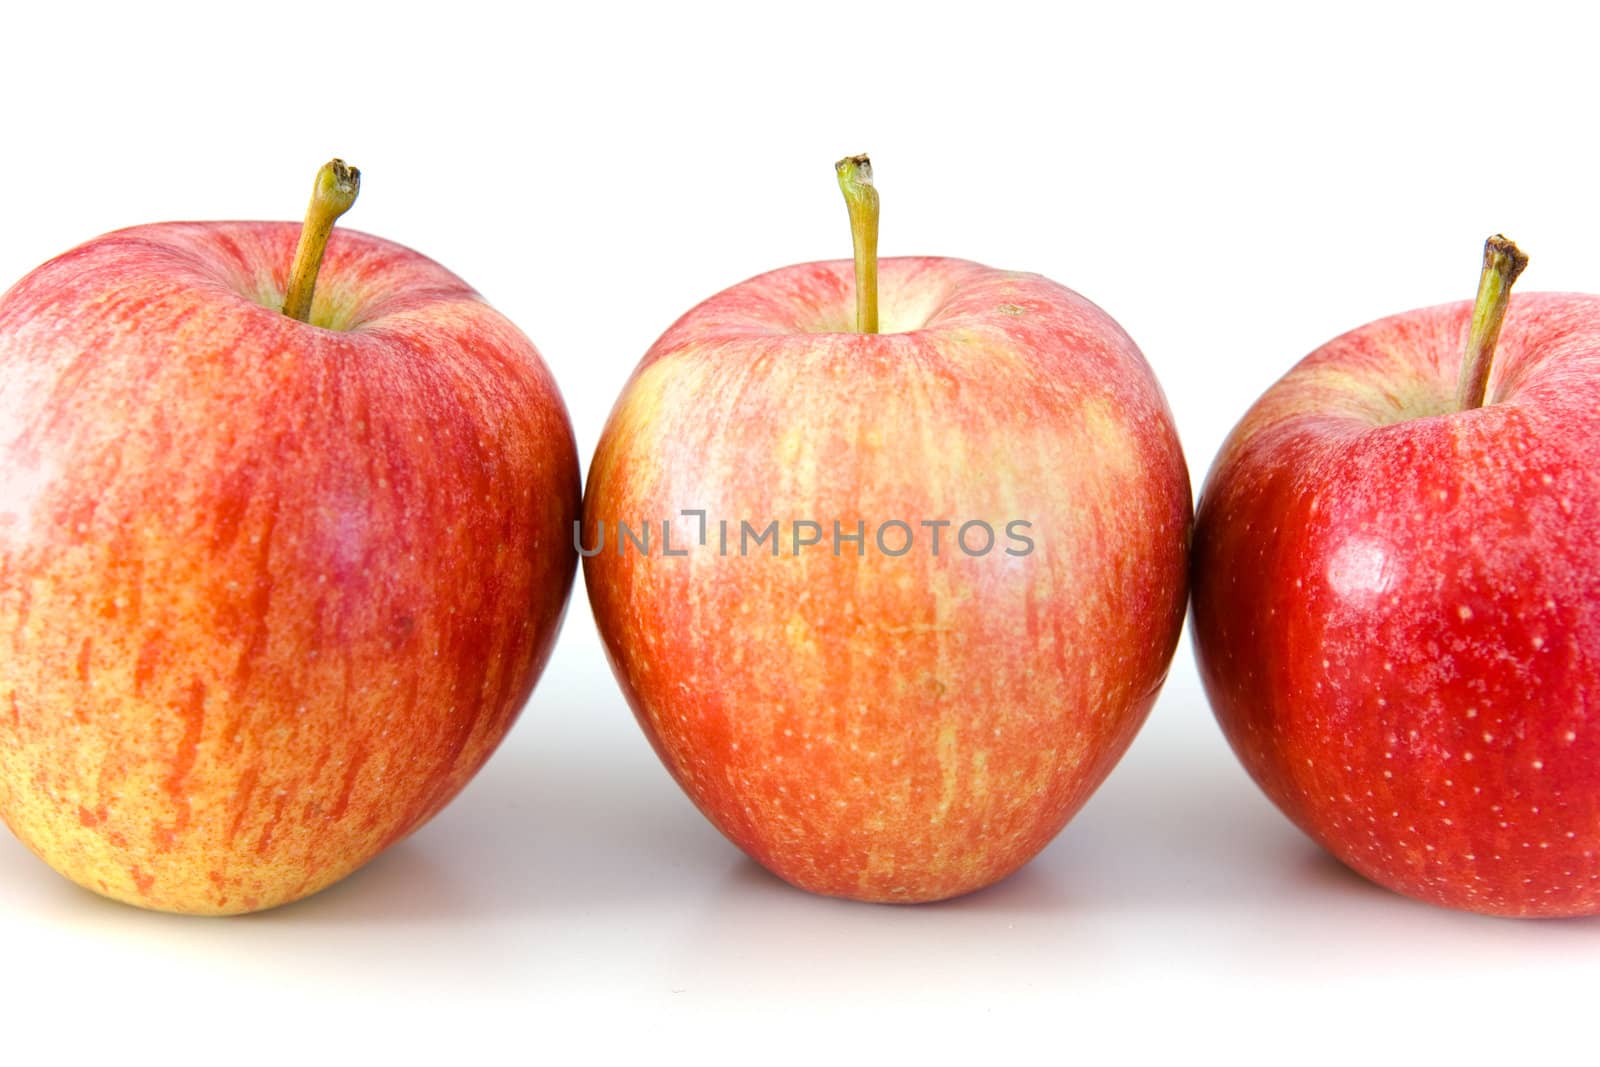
(1397,606)
(270,593)
(887,728)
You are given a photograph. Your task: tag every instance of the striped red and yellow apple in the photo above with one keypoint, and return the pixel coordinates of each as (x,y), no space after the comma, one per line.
(881,726)
(271,590)
(1397,598)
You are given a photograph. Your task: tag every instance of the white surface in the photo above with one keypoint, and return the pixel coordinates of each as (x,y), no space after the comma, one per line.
(1235,184)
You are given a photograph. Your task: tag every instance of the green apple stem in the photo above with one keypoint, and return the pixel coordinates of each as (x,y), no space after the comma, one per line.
(1502,262)
(335,190)
(855,179)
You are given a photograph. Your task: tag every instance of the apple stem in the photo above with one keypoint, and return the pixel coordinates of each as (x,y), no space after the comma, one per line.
(1502,262)
(855,180)
(335,190)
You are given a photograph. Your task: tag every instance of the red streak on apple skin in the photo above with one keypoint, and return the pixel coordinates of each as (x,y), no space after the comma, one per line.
(193,717)
(241,808)
(893,729)
(1397,618)
(299,581)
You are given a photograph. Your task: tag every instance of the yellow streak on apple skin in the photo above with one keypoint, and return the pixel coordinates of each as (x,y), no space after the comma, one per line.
(949,770)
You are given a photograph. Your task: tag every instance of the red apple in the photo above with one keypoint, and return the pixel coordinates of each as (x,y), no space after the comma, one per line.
(270,592)
(879,719)
(1397,599)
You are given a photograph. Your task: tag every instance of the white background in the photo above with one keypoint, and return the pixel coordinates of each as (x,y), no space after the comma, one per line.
(1235,183)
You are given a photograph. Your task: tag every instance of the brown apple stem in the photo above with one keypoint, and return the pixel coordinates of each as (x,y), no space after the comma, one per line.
(1502,262)
(335,190)
(855,180)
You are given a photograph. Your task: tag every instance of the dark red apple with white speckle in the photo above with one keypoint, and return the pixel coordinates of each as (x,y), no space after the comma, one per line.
(1397,598)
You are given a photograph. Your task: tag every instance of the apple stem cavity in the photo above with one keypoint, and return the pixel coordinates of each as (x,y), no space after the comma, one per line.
(1503,261)
(335,190)
(861,197)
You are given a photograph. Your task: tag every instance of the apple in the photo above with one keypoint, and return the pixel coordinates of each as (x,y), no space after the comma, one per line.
(1397,598)
(889,599)
(271,590)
